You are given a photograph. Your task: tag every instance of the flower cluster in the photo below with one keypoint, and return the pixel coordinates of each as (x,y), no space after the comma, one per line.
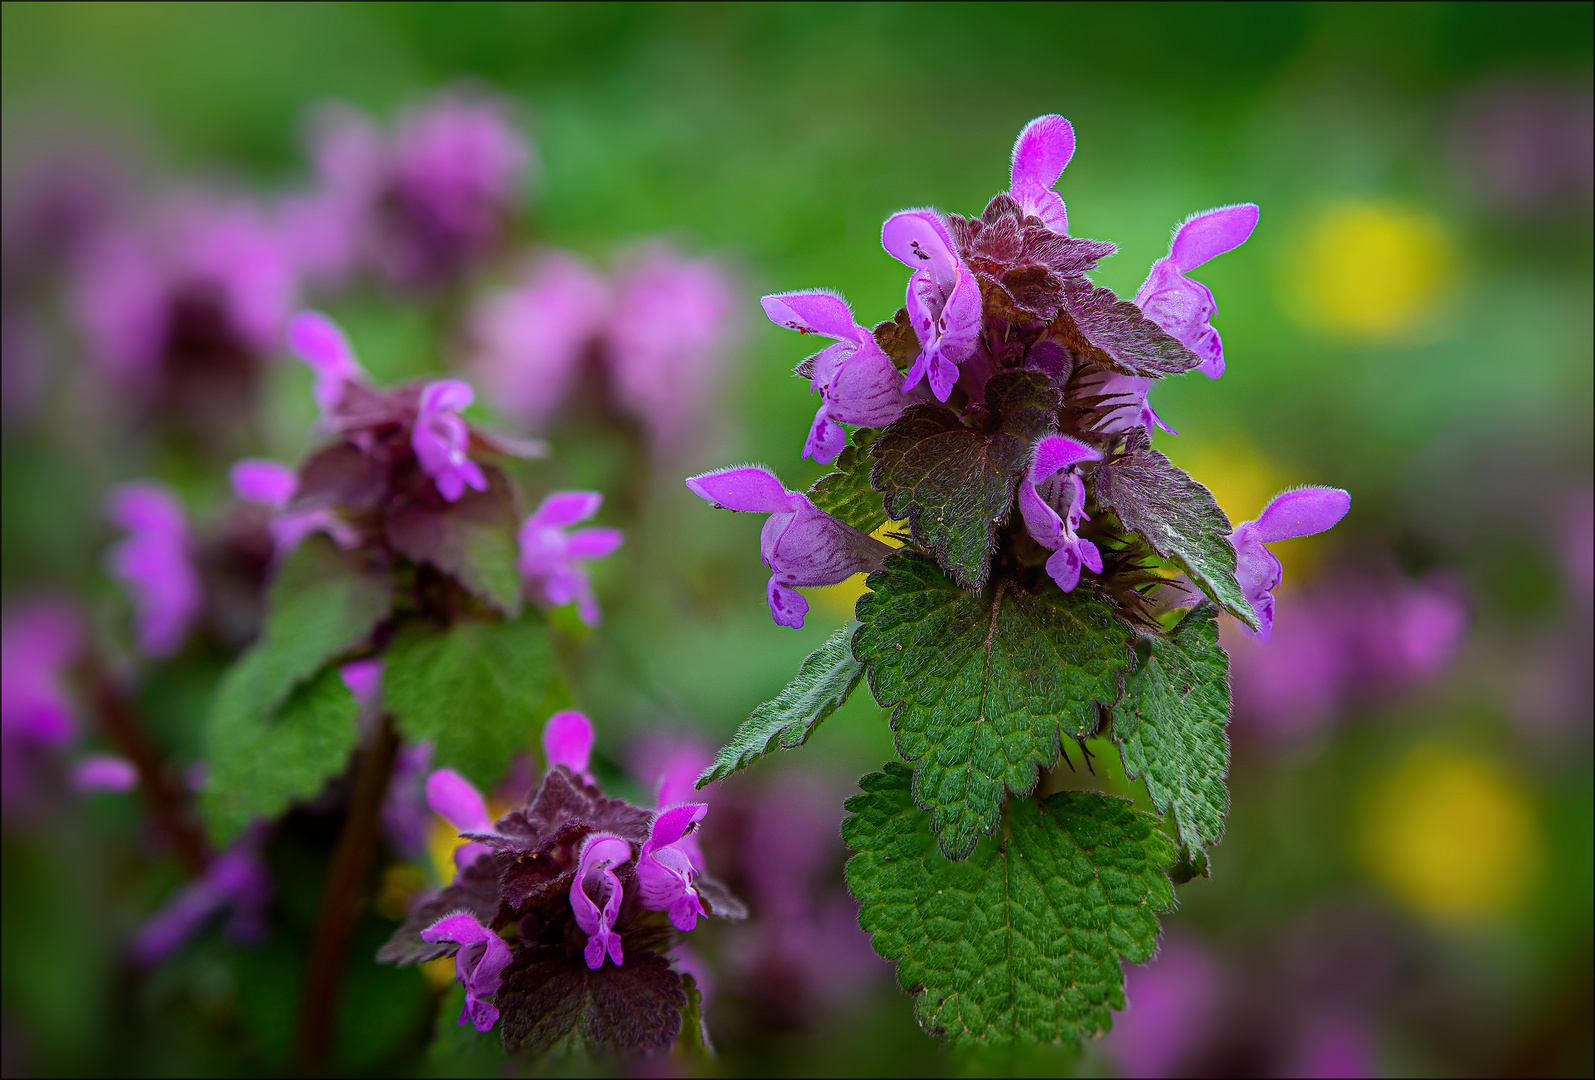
(574,894)
(1007,376)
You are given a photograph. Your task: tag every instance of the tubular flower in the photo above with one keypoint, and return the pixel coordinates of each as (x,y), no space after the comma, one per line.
(552,555)
(856,381)
(801,544)
(943,298)
(568,741)
(272,484)
(1040,155)
(1039,493)
(1182,306)
(153,562)
(478,965)
(1288,515)
(595,897)
(236,878)
(441,439)
(665,873)
(455,799)
(324,349)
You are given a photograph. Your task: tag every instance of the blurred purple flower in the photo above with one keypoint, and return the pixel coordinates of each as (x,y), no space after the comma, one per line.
(1183,306)
(37,642)
(552,555)
(1172,1003)
(666,342)
(272,484)
(1577,542)
(1041,490)
(943,298)
(1288,515)
(800,544)
(568,741)
(1040,155)
(456,800)
(529,341)
(478,964)
(856,381)
(441,439)
(665,872)
(236,878)
(406,817)
(154,564)
(1335,1047)
(104,772)
(671,766)
(321,344)
(595,878)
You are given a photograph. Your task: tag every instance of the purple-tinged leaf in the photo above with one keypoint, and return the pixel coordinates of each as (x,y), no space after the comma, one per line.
(1095,323)
(551,1001)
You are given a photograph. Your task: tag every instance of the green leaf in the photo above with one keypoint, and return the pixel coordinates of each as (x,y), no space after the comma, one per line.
(1170,725)
(955,484)
(983,688)
(473,539)
(324,602)
(1022,942)
(823,683)
(259,763)
(1178,517)
(473,689)
(846,493)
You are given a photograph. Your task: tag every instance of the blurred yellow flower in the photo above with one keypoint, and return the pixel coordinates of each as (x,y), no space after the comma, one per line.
(438,973)
(1451,833)
(838,600)
(1371,270)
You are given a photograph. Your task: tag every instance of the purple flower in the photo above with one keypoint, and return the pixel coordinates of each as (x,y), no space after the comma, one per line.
(551,556)
(364,680)
(1181,306)
(801,544)
(104,772)
(1122,402)
(1172,1005)
(406,818)
(856,381)
(478,965)
(529,342)
(153,562)
(272,484)
(1040,155)
(323,347)
(595,879)
(456,800)
(568,741)
(235,878)
(943,298)
(441,439)
(665,872)
(666,342)
(36,644)
(1288,515)
(1039,493)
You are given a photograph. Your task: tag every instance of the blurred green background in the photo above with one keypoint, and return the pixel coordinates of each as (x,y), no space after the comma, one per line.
(1411,321)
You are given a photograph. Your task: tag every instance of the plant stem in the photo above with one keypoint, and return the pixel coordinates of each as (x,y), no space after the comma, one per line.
(341,898)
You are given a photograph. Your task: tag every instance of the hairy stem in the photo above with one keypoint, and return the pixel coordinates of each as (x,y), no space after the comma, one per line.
(123,727)
(341,897)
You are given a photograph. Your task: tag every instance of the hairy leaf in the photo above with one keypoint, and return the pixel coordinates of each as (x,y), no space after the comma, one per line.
(955,484)
(551,1003)
(260,763)
(1023,941)
(1096,323)
(473,690)
(474,539)
(475,890)
(1170,725)
(983,689)
(822,685)
(324,602)
(1178,517)
(846,494)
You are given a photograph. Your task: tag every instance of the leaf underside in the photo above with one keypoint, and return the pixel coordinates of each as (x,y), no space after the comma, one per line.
(824,682)
(1170,725)
(983,689)
(1179,518)
(474,690)
(1115,333)
(1023,941)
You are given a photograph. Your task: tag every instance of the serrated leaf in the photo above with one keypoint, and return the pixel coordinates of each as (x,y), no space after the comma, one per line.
(551,1003)
(1178,517)
(1170,726)
(473,539)
(845,493)
(259,764)
(955,484)
(824,682)
(983,688)
(324,602)
(1023,941)
(1115,333)
(473,690)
